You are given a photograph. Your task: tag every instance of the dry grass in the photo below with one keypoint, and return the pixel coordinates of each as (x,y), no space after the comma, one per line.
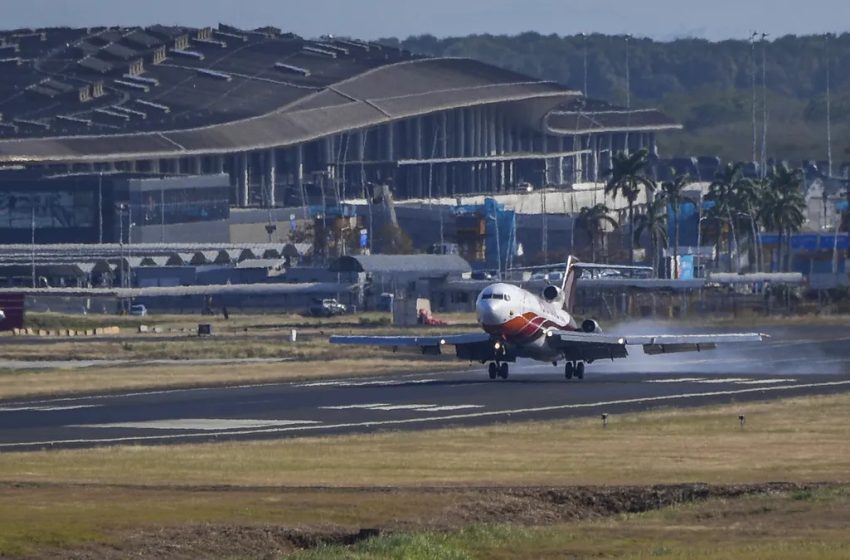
(256,336)
(77,498)
(801,439)
(779,527)
(29,383)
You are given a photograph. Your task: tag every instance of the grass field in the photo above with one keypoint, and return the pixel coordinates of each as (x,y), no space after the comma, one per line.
(801,439)
(428,488)
(789,526)
(241,337)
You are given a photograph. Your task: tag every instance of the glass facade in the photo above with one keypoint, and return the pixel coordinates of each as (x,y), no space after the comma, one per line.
(179,206)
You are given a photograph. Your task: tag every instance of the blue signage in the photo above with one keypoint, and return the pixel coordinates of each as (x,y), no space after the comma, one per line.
(364,238)
(686,267)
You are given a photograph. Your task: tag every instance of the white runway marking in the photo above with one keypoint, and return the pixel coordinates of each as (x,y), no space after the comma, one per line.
(208,424)
(416,407)
(403,421)
(45,408)
(365,383)
(732,380)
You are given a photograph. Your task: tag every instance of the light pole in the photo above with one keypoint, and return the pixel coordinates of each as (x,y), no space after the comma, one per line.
(32,238)
(764,37)
(828,113)
(584,45)
(753,83)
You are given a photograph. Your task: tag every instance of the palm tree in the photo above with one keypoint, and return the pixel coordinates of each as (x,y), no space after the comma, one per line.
(673,194)
(727,192)
(782,208)
(628,177)
(592,221)
(654,222)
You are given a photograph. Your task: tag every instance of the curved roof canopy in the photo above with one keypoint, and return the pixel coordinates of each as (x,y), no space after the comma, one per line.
(161,92)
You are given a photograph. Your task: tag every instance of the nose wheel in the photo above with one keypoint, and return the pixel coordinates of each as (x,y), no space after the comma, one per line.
(574,369)
(496,369)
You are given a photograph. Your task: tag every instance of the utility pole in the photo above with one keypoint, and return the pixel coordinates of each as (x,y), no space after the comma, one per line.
(628,96)
(753,83)
(628,78)
(32,238)
(828,112)
(100,208)
(544,242)
(584,44)
(764,105)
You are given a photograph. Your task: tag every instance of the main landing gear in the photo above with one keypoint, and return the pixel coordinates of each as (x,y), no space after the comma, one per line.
(574,368)
(497,369)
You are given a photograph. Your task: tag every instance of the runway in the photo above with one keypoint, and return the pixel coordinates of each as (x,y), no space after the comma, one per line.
(776,369)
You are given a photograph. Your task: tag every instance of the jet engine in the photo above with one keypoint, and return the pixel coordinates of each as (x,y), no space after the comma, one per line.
(590,326)
(551,293)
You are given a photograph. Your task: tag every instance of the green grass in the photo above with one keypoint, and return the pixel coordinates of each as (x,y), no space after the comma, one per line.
(761,526)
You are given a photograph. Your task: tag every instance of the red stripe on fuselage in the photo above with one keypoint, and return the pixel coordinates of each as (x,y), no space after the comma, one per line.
(523,329)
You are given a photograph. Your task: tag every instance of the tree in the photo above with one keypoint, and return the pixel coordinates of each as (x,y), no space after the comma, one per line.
(592,220)
(674,195)
(628,177)
(727,191)
(654,223)
(782,208)
(394,241)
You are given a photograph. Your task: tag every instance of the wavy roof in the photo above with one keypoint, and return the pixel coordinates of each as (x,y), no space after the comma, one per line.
(218,91)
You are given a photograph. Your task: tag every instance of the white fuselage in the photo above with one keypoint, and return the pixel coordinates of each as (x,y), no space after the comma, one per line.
(521,319)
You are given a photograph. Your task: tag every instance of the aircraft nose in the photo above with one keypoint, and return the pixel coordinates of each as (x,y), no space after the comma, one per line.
(491,312)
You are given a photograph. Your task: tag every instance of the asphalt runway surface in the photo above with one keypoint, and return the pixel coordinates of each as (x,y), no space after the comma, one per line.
(794,362)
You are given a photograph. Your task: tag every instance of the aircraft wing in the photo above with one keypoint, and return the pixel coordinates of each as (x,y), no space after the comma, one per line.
(466,345)
(595,346)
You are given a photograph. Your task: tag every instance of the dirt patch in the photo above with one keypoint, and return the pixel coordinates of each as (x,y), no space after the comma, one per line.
(531,506)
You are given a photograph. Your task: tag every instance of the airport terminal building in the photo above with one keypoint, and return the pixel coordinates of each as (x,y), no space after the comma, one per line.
(166,129)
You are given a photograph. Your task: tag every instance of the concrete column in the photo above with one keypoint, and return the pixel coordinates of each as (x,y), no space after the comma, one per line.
(509,136)
(461,133)
(469,147)
(418,129)
(299,176)
(492,128)
(271,177)
(444,178)
(482,132)
(244,179)
(499,119)
(360,145)
(390,147)
(559,173)
(595,144)
(444,134)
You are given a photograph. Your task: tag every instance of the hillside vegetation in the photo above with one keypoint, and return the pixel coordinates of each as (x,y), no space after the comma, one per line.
(706,85)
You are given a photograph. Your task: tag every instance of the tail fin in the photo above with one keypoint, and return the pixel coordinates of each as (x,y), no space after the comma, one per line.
(568,287)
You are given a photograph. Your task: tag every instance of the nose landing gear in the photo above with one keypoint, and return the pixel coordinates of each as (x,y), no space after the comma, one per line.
(497,369)
(574,368)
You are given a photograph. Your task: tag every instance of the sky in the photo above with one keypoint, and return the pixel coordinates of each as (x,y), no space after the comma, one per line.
(370,19)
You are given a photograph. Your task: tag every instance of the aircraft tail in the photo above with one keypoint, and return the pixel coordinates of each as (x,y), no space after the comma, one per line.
(568,285)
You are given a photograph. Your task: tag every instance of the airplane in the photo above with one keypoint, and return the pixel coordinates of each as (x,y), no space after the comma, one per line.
(516,323)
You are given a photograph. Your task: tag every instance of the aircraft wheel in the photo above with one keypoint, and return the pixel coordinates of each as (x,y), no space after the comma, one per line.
(568,370)
(503,370)
(492,370)
(580,370)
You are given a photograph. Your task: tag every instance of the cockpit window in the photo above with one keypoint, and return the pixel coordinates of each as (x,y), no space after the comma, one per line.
(505,297)
(486,296)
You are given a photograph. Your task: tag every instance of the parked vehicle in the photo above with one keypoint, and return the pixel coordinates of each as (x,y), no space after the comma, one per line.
(327,308)
(138,310)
